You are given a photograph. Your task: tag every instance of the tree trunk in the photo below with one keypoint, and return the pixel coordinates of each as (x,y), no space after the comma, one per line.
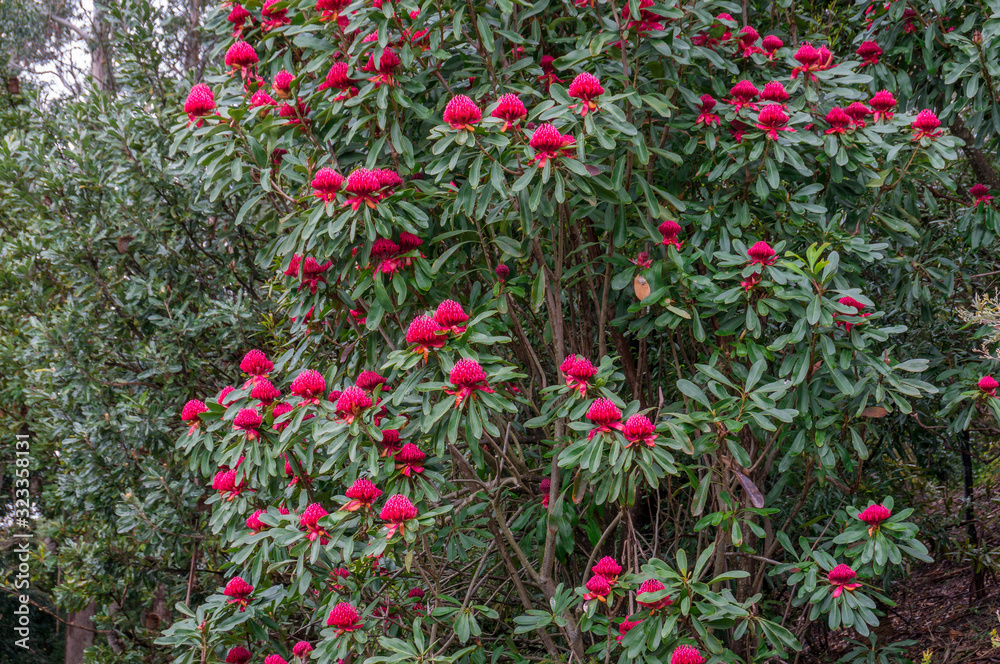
(192,41)
(78,639)
(978,572)
(100,53)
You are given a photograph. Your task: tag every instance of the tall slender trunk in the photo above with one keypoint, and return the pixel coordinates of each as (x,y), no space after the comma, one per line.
(100,52)
(978,573)
(192,40)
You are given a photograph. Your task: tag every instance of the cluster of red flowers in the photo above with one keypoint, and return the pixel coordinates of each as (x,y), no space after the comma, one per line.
(308,271)
(428,333)
(578,371)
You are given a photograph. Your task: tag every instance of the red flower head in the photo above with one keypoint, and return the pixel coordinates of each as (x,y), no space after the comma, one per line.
(241,56)
(312,272)
(223,394)
(248,421)
(909,14)
(331,9)
(598,588)
(278,155)
(273,18)
(669,230)
(873,516)
(883,102)
(408,242)
(774,91)
(326,184)
(607,567)
(352,402)
(256,365)
(396,512)
(309,385)
(809,61)
(254,523)
(238,16)
(409,460)
(384,256)
(344,617)
(748,39)
(652,586)
(239,590)
(744,94)
(309,520)
(642,260)
(771,45)
(450,316)
(390,443)
(363,185)
(625,627)
(858,112)
(771,120)
(841,577)
(706,116)
(638,429)
(548,76)
(751,281)
(981,193)
(869,52)
(857,306)
(510,109)
(200,103)
(648,21)
(825,58)
(467,377)
(605,415)
(283,84)
(838,120)
(362,494)
(338,574)
(385,71)
(388,180)
(265,392)
(925,124)
(225,483)
(686,655)
(261,98)
(579,370)
(297,114)
(238,654)
(988,386)
(761,253)
(425,333)
(461,113)
(502,272)
(549,143)
(302,649)
(191,411)
(274,659)
(369,380)
(585,87)
(737,128)
(545,487)
(337,79)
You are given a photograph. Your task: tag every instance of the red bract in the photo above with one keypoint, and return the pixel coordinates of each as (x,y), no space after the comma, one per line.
(875,514)
(425,333)
(369,380)
(838,120)
(337,79)
(461,113)
(686,655)
(638,429)
(409,460)
(981,193)
(363,185)
(549,143)
(705,115)
(841,577)
(652,586)
(585,87)
(988,386)
(265,392)
(283,83)
(642,260)
(597,588)
(200,103)
(883,102)
(309,385)
(256,364)
(869,52)
(241,56)
(605,415)
(239,590)
(302,649)
(390,442)
(858,112)
(331,8)
(669,230)
(450,316)
(396,512)
(607,567)
(352,402)
(385,70)
(326,184)
(625,627)
(248,421)
(273,18)
(238,654)
(809,61)
(925,124)
(761,253)
(748,39)
(467,377)
(773,119)
(510,109)
(744,94)
(362,494)
(309,520)
(774,91)
(344,617)
(771,44)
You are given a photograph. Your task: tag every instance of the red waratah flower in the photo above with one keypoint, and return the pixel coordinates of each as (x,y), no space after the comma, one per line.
(273,18)
(238,654)
(549,143)
(825,58)
(751,281)
(737,128)
(548,76)
(384,255)
(261,98)
(607,567)
(265,392)
(222,401)
(841,577)
(638,429)
(326,184)
(248,421)
(338,574)
(254,523)
(409,460)
(362,494)
(545,487)
(275,659)
(290,472)
(705,115)
(642,260)
(461,113)
(909,15)
(225,483)
(869,52)
(351,403)
(312,273)
(302,649)
(744,94)
(344,617)
(988,386)
(605,415)
(283,84)
(874,515)
(331,8)
(363,185)
(625,627)
(647,22)
(848,301)
(771,120)
(809,61)
(652,586)
(774,91)
(369,380)
(390,442)
(771,44)
(241,56)
(385,71)
(450,316)
(686,655)
(337,79)
(510,109)
(467,377)
(981,193)
(297,114)
(597,588)
(586,87)
(408,242)
(396,512)
(858,112)
(578,370)
(748,39)
(239,590)
(882,103)
(238,16)
(425,333)
(309,520)
(200,103)
(256,365)
(502,272)
(190,412)
(388,180)
(761,253)
(309,385)
(669,230)
(838,120)
(924,125)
